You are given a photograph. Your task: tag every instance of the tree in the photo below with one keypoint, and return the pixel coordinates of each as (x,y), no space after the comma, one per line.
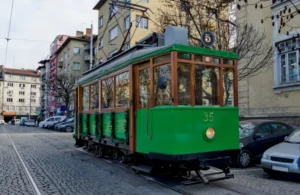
(255,52)
(63,88)
(284,18)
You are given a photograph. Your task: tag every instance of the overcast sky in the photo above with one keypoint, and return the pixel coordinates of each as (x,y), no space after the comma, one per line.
(40,20)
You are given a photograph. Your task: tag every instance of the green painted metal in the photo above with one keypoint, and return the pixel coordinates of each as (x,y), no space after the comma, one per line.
(181,130)
(84,125)
(98,73)
(107,125)
(92,124)
(121,125)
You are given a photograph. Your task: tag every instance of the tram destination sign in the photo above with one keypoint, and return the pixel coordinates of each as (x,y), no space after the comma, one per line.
(208,38)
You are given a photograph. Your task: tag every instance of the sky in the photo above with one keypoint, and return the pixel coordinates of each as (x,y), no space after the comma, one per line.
(35,24)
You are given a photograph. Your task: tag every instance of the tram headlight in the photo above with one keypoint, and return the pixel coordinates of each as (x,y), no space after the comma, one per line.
(210,133)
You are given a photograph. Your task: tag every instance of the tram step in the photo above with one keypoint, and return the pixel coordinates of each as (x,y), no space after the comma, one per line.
(142,168)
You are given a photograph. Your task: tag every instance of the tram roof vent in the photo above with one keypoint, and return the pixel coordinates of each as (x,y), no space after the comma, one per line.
(176,34)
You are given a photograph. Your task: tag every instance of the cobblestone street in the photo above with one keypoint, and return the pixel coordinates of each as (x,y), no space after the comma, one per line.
(53,166)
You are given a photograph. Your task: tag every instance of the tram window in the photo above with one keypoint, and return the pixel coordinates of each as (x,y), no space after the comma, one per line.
(95,96)
(107,93)
(227,62)
(228,87)
(163,58)
(184,83)
(163,96)
(122,90)
(144,87)
(184,56)
(85,99)
(198,58)
(206,85)
(216,60)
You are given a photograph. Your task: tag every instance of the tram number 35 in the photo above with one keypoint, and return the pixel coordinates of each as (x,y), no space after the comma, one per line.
(208,116)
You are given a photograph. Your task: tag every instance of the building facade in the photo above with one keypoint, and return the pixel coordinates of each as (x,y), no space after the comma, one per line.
(44,70)
(122,23)
(20,93)
(274,93)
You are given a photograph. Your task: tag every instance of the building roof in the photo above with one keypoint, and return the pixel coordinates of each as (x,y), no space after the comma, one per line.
(25,72)
(83,38)
(99,4)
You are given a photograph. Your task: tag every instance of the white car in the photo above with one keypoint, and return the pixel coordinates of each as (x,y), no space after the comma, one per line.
(30,123)
(50,121)
(2,122)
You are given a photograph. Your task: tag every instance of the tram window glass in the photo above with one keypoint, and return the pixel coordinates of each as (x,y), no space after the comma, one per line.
(227,62)
(122,90)
(95,96)
(198,58)
(184,56)
(107,93)
(163,58)
(85,99)
(228,87)
(144,87)
(216,60)
(206,85)
(163,96)
(184,83)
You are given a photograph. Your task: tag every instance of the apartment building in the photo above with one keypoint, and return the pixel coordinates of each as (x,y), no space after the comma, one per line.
(275,92)
(123,23)
(74,54)
(44,71)
(20,93)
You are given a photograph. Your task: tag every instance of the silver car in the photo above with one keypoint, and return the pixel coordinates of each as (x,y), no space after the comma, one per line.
(283,157)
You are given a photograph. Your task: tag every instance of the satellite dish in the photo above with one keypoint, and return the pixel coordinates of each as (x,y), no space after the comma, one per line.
(208,38)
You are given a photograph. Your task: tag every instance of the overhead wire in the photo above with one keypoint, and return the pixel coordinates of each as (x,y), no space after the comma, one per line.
(8,39)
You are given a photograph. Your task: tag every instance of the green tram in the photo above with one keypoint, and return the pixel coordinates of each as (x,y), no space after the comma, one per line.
(169,106)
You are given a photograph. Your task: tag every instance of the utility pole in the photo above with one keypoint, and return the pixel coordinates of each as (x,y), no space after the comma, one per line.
(91,47)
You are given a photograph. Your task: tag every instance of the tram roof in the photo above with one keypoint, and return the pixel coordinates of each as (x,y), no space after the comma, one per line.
(113,65)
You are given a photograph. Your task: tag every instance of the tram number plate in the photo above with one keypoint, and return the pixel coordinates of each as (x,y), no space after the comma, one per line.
(208,116)
(283,169)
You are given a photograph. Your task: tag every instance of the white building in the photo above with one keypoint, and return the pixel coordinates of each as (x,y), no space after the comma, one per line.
(20,93)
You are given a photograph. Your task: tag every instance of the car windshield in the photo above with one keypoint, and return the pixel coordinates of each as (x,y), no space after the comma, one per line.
(246,129)
(294,137)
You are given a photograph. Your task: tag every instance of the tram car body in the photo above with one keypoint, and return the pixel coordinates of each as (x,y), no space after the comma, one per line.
(172,104)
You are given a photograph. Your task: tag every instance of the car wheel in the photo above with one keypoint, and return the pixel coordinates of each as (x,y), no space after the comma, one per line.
(69,129)
(244,159)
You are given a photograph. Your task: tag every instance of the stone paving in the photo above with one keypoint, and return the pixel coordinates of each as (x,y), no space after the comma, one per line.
(58,168)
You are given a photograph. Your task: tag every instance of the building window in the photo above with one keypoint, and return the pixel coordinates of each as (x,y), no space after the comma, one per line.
(76,66)
(22,77)
(33,86)
(7,108)
(12,108)
(126,23)
(113,10)
(9,76)
(21,85)
(22,100)
(142,22)
(10,84)
(33,100)
(100,42)
(76,51)
(33,78)
(113,33)
(33,93)
(10,92)
(21,92)
(100,21)
(289,62)
(145,1)
(9,100)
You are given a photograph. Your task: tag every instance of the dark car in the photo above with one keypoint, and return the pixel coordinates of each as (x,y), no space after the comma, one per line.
(67,126)
(256,136)
(56,123)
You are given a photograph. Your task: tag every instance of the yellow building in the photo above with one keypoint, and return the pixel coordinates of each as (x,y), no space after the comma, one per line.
(114,24)
(275,92)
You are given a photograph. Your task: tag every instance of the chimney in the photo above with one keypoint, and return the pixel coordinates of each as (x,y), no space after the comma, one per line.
(88,32)
(79,33)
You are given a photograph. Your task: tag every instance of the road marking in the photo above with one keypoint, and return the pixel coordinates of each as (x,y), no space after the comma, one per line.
(24,166)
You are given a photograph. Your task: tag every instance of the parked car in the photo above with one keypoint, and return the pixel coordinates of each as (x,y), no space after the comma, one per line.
(17,121)
(2,122)
(52,126)
(56,126)
(30,123)
(283,157)
(256,136)
(67,126)
(50,121)
(23,120)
